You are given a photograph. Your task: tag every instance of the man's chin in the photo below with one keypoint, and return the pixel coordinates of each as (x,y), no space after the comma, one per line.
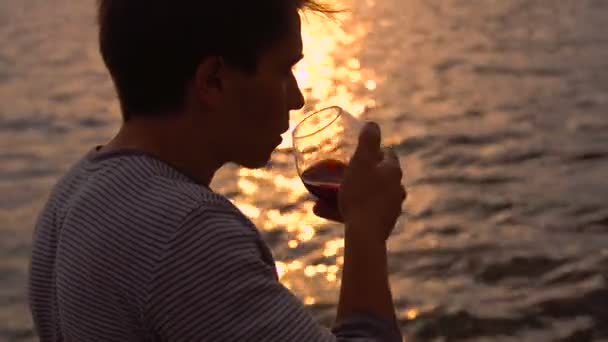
(255,163)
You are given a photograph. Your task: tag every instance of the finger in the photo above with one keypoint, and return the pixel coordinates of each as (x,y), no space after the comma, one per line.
(368,148)
(390,174)
(327,211)
(390,165)
(389,156)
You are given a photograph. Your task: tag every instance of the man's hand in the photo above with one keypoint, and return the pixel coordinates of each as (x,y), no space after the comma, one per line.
(371,195)
(372,190)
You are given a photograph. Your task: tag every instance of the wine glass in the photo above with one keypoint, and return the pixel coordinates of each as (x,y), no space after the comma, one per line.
(324,142)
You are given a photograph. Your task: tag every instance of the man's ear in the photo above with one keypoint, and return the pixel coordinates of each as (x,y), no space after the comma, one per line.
(208,81)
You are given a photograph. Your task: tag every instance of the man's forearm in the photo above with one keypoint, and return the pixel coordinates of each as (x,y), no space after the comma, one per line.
(365,286)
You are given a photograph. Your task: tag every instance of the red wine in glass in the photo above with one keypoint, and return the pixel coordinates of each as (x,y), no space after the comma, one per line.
(324,142)
(323,179)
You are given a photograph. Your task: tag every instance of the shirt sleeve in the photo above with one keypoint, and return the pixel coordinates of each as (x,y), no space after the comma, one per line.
(212,284)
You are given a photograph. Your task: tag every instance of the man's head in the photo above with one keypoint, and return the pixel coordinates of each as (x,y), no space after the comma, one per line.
(225,67)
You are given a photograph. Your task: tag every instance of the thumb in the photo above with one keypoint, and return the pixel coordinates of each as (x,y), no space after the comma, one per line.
(368,149)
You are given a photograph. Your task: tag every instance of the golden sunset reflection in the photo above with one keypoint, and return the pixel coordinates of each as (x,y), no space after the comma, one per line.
(314,270)
(309,300)
(249,210)
(411,314)
(294,265)
(332,247)
(281,268)
(324,81)
(248,187)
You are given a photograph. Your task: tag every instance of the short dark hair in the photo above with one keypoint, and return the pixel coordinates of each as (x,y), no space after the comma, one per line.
(153,47)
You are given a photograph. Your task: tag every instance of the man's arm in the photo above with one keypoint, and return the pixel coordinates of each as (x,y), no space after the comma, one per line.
(213,285)
(370,202)
(365,286)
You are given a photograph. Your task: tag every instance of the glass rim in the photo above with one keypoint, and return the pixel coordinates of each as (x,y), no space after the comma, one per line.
(310,115)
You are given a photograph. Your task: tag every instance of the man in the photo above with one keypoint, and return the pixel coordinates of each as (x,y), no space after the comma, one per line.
(134,246)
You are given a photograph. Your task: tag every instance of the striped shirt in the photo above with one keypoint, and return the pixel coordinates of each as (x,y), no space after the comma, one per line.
(128,248)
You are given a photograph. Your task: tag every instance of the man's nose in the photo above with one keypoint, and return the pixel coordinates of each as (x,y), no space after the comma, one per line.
(296,96)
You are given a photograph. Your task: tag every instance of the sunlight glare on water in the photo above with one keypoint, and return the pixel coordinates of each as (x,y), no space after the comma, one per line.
(324,81)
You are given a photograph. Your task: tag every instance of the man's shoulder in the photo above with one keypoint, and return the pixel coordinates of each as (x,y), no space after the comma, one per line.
(136,191)
(167,195)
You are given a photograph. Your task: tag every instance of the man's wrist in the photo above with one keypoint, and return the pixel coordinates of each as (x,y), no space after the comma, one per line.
(358,236)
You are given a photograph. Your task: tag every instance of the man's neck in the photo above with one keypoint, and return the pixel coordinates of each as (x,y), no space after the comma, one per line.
(160,138)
